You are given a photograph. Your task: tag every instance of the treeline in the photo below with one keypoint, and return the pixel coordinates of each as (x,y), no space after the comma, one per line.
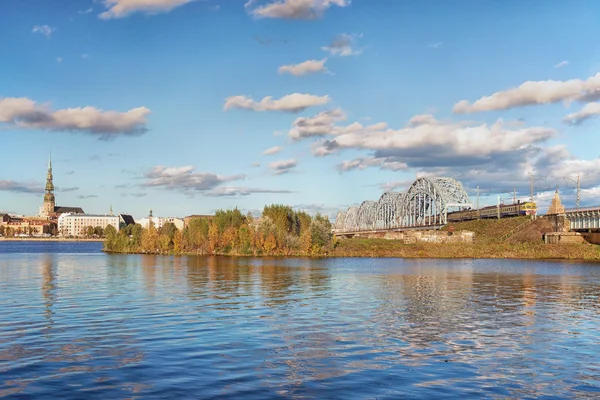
(278,231)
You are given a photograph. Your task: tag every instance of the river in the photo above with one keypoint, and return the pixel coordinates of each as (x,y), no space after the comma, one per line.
(77,323)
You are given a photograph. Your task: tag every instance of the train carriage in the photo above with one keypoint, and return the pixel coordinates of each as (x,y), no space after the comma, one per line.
(506,210)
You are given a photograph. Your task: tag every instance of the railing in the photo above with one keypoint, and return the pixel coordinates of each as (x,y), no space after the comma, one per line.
(582,209)
(514,230)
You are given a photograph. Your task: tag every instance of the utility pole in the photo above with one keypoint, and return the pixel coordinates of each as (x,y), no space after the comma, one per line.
(531,185)
(578,191)
(514,195)
(478,215)
(577,182)
(498,207)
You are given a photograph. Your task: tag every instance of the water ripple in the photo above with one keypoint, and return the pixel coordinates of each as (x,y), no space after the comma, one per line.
(108,326)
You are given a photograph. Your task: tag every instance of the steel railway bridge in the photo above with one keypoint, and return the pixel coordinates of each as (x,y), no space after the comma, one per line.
(425,205)
(584,219)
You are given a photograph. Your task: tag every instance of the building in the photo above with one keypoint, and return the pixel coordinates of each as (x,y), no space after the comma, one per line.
(28,226)
(49,209)
(158,222)
(75,224)
(556,207)
(125,220)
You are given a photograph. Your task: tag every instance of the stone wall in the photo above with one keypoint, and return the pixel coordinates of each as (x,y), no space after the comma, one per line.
(409,237)
(593,237)
(563,237)
(560,223)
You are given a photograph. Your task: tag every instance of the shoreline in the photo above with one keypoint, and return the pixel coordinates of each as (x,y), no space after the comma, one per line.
(36,239)
(389,249)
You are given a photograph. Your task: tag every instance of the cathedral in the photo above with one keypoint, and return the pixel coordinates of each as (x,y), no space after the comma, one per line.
(49,209)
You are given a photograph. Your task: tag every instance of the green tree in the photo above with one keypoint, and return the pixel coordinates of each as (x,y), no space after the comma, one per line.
(98,231)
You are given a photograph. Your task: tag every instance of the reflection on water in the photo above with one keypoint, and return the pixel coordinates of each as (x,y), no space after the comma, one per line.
(113,326)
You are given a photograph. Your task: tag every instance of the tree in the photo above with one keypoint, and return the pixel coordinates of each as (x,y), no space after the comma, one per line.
(88,231)
(136,235)
(110,232)
(98,231)
(245,239)
(213,237)
(320,232)
(168,229)
(270,244)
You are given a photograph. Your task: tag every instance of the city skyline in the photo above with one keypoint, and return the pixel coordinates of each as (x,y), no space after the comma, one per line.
(191,106)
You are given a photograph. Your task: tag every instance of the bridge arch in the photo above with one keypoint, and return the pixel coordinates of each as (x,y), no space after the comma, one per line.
(366,215)
(427,202)
(339,221)
(389,210)
(351,219)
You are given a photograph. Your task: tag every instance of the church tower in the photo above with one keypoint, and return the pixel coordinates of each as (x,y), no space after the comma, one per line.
(49,200)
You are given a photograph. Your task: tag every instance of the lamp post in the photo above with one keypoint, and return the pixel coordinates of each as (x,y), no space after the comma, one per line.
(532,182)
(478,193)
(578,183)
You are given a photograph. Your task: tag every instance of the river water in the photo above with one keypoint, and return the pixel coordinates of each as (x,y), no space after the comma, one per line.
(77,323)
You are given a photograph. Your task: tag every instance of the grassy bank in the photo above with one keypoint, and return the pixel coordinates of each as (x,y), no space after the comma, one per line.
(393,248)
(519,238)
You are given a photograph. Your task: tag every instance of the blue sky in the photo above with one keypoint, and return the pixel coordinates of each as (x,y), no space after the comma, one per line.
(176,120)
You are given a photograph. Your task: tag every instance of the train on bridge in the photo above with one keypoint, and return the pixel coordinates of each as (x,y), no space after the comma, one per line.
(430,202)
(504,211)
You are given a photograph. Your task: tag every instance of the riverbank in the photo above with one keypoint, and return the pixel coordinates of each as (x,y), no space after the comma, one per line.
(538,251)
(381,248)
(34,239)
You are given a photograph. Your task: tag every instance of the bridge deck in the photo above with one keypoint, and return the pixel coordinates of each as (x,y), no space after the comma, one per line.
(408,228)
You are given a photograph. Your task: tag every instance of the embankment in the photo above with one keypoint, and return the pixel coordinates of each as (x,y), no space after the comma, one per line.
(518,238)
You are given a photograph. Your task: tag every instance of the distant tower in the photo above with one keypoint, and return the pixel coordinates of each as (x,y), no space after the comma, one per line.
(49,199)
(556,207)
(150,215)
(111,210)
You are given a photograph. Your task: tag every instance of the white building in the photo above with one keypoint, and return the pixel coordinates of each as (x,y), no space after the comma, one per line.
(75,224)
(158,222)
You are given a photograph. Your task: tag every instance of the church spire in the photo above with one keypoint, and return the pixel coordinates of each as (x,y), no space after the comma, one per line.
(49,200)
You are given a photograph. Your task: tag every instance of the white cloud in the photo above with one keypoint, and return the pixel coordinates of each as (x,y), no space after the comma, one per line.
(304,68)
(427,141)
(20,187)
(535,92)
(59,59)
(294,102)
(590,110)
(435,45)
(43,29)
(272,150)
(396,185)
(294,9)
(561,64)
(365,162)
(123,8)
(283,166)
(343,45)
(185,179)
(82,12)
(422,119)
(25,113)
(320,125)
(85,56)
(230,191)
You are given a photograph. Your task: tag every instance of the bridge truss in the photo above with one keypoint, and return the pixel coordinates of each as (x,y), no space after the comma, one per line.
(426,203)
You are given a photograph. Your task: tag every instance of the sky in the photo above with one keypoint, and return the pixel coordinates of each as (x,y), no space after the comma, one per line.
(188,106)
